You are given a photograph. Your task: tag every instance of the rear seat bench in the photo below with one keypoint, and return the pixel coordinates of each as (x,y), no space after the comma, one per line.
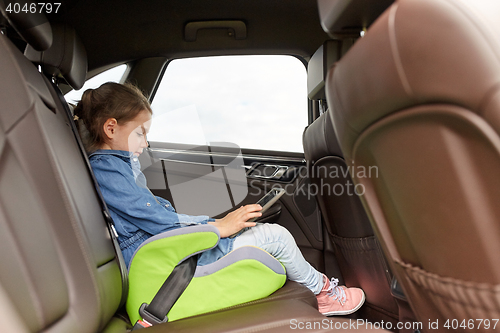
(59,269)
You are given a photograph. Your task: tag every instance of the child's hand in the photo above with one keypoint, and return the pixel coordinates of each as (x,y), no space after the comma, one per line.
(237,220)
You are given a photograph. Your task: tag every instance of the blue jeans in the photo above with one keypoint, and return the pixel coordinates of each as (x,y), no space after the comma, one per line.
(278,242)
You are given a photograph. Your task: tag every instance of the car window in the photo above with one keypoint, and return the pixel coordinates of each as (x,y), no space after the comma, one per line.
(257,102)
(111,75)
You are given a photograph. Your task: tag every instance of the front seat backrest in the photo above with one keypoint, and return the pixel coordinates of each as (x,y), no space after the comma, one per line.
(357,250)
(418,97)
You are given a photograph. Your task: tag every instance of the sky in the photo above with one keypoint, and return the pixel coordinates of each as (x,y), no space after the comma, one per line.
(255,102)
(113,74)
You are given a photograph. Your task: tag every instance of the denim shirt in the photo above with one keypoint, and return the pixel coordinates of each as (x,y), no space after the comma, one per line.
(136,212)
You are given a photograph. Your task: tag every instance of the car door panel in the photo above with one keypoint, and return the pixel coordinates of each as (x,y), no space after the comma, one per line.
(214,180)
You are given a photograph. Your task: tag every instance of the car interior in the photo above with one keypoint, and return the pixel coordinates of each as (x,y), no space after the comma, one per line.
(406,89)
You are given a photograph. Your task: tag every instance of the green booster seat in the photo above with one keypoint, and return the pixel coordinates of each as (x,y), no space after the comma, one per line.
(243,275)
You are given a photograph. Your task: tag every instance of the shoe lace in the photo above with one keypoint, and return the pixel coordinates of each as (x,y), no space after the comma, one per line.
(336,291)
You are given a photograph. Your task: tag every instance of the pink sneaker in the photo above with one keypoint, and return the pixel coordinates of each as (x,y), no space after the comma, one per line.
(334,300)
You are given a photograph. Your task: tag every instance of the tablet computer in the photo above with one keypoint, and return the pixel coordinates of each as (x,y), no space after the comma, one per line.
(266,202)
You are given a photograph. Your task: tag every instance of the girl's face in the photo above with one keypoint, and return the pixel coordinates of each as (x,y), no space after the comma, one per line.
(130,136)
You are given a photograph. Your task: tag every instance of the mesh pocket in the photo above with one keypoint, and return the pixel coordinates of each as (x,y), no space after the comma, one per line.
(457,299)
(362,263)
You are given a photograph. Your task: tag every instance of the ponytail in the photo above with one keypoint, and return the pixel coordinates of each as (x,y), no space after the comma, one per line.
(81,112)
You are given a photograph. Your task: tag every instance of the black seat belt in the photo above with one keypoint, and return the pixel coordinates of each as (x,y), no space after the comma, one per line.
(173,287)
(104,208)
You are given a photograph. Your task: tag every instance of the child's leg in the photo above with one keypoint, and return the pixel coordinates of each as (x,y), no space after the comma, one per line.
(278,241)
(332,299)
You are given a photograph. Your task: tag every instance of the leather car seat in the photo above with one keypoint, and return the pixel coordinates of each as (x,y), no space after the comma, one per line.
(418,97)
(59,270)
(357,250)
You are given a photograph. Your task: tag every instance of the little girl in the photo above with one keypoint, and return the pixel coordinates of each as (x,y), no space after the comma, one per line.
(113,121)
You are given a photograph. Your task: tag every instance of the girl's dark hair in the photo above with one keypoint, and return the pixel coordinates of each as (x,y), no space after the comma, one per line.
(111,100)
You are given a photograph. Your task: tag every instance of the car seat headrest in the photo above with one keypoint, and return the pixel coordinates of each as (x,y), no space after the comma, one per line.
(319,139)
(65,58)
(404,61)
(340,18)
(318,66)
(34,28)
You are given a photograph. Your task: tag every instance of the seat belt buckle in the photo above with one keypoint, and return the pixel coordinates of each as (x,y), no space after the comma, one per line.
(149,317)
(114,231)
(140,324)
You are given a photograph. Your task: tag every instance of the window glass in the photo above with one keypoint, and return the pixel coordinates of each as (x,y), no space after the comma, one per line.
(255,102)
(111,75)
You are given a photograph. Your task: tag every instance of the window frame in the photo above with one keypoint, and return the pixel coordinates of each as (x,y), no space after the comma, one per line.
(98,72)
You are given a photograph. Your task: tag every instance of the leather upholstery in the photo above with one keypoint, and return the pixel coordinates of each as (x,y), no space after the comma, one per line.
(58,264)
(32,27)
(66,58)
(344,214)
(341,18)
(59,272)
(358,252)
(319,139)
(419,98)
(318,66)
(412,57)
(58,267)
(273,317)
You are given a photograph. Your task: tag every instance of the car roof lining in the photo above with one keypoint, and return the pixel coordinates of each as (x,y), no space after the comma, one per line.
(132,30)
